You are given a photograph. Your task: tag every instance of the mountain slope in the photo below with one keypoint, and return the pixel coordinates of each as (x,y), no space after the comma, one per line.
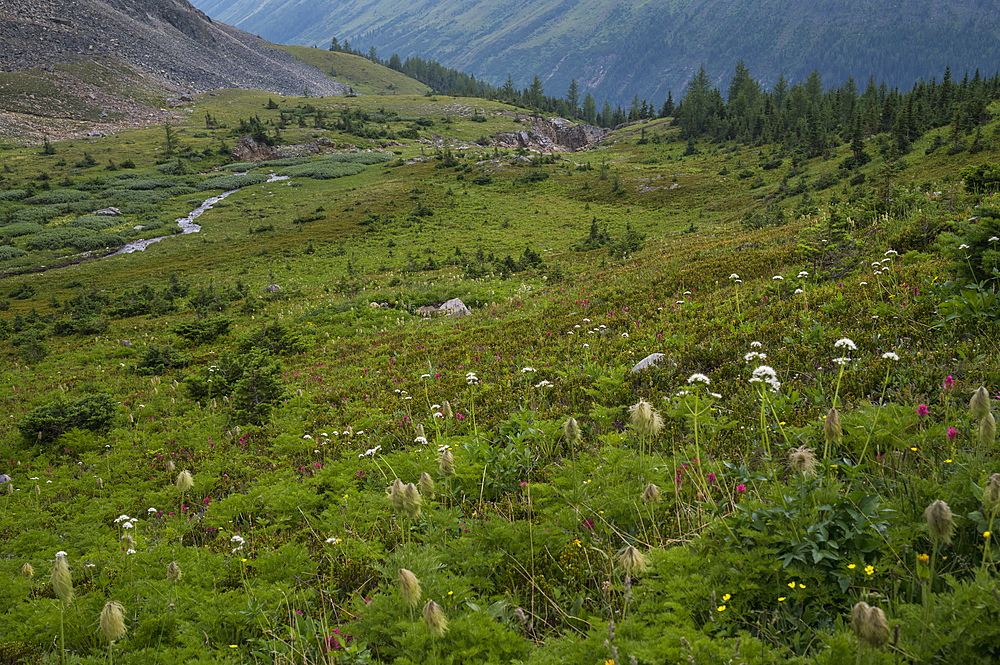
(168,40)
(643,47)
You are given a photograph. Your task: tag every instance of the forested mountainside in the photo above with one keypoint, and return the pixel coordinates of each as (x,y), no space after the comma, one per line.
(617,50)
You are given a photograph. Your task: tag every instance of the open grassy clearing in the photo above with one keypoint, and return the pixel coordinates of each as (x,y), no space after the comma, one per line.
(695,537)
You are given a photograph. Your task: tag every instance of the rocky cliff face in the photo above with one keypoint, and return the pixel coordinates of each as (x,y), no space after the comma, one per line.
(554,135)
(168,40)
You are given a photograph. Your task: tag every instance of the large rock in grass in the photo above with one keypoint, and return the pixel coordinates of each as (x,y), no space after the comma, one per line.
(454,307)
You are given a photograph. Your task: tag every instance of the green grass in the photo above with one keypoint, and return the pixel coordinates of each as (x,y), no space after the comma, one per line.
(527,522)
(364,77)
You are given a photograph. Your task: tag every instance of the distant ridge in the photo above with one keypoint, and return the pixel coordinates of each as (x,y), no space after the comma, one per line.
(168,40)
(617,49)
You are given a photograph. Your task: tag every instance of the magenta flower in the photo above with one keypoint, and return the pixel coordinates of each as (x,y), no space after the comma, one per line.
(949,382)
(741,488)
(922,410)
(952,433)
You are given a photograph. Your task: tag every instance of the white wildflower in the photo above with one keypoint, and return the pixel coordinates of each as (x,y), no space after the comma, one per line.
(845,343)
(696,377)
(889,355)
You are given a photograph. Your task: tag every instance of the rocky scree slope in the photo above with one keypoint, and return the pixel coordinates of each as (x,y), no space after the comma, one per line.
(167,40)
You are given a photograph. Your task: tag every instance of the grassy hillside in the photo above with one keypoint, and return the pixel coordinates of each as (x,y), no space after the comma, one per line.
(364,76)
(688,512)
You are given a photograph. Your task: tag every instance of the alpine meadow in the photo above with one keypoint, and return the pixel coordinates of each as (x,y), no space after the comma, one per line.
(388,364)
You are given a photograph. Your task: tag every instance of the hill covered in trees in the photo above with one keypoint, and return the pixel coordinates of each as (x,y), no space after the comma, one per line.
(619,50)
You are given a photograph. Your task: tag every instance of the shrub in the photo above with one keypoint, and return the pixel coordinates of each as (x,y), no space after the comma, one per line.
(58,196)
(8,253)
(158,359)
(20,229)
(37,214)
(203,330)
(13,195)
(230,182)
(47,423)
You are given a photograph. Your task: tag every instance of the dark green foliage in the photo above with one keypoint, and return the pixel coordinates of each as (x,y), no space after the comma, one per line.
(8,253)
(335,166)
(275,338)
(144,300)
(982,179)
(630,242)
(23,291)
(200,331)
(230,182)
(58,196)
(175,166)
(161,358)
(47,423)
(13,195)
(773,215)
(31,344)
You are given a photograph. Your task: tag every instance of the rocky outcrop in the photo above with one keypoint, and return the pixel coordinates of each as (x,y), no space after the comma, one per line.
(553,135)
(167,40)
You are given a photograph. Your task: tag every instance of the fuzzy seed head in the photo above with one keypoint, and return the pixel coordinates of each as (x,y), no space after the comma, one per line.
(571,432)
(396,491)
(411,501)
(426,485)
(409,587)
(991,495)
(171,466)
(446,463)
(987,430)
(632,560)
(875,628)
(174,572)
(10,489)
(980,402)
(651,494)
(940,522)
(446,409)
(434,619)
(832,430)
(112,621)
(62,582)
(858,614)
(100,483)
(802,461)
(27,572)
(644,419)
(184,481)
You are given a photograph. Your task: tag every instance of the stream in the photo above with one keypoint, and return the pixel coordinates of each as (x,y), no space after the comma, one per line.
(186,224)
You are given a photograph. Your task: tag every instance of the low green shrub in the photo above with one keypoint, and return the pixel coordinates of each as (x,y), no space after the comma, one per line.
(13,195)
(95,223)
(58,196)
(47,423)
(19,229)
(8,253)
(230,182)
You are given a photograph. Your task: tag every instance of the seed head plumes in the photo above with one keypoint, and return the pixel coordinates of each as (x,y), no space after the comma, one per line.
(446,463)
(184,481)
(870,625)
(434,619)
(27,571)
(644,419)
(419,431)
(991,495)
(112,621)
(802,461)
(396,491)
(987,430)
(940,522)
(651,494)
(62,582)
(832,430)
(409,587)
(446,409)
(174,572)
(571,432)
(427,485)
(980,402)
(632,560)
(411,501)
(171,466)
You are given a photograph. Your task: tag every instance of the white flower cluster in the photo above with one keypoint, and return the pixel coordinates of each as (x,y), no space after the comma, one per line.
(766,374)
(238,540)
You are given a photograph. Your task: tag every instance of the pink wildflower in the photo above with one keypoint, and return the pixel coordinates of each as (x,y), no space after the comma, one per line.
(949,382)
(922,410)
